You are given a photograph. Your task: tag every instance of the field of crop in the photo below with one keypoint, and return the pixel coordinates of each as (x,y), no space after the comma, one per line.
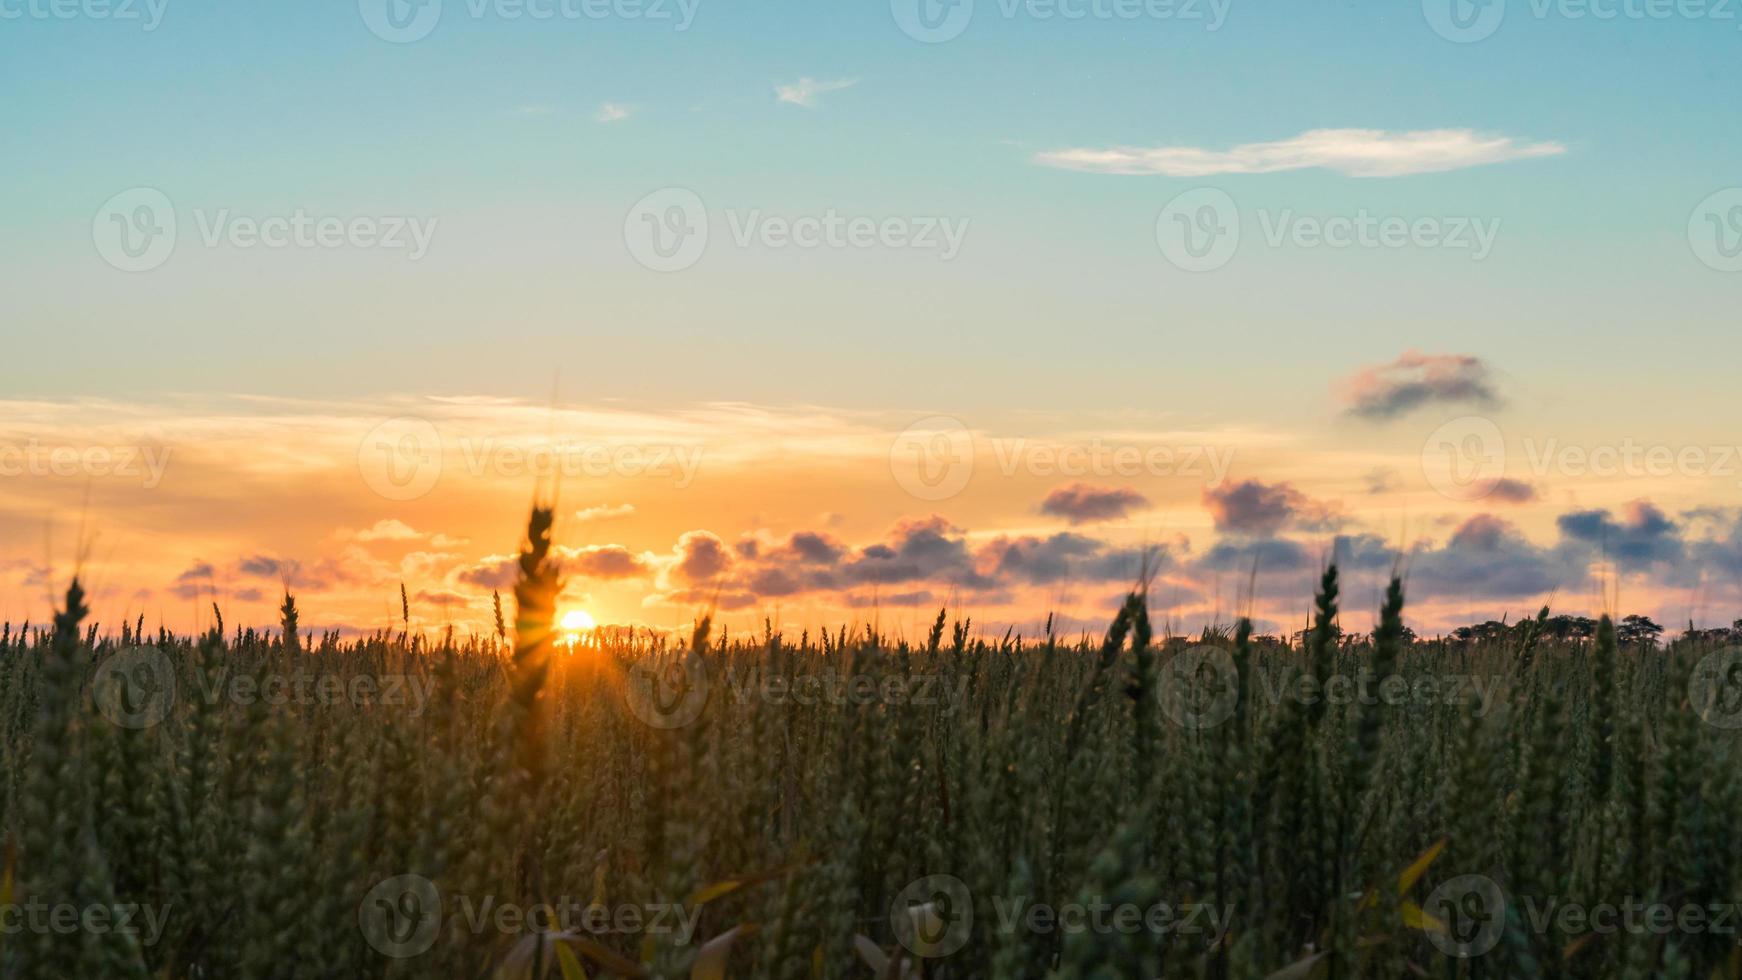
(278,805)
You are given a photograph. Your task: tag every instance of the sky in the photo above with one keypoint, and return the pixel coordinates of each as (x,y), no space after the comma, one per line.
(829,313)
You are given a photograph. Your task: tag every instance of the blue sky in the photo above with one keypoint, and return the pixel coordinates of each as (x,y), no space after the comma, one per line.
(529,148)
(489,124)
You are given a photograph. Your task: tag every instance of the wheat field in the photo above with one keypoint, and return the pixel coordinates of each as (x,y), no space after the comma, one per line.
(269,804)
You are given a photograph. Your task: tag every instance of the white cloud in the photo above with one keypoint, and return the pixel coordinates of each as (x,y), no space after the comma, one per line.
(1355,152)
(606,512)
(804,92)
(611,112)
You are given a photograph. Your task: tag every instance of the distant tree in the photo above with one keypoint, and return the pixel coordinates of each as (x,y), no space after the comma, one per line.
(1491,631)
(1638,629)
(1569,627)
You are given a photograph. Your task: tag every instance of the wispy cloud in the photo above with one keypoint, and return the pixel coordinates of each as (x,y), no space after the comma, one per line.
(612,112)
(1355,152)
(1386,391)
(805,91)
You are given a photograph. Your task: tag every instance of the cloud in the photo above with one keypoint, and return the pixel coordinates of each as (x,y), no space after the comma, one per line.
(612,112)
(1354,152)
(1264,509)
(612,561)
(804,92)
(1380,479)
(701,558)
(1415,380)
(389,529)
(1081,503)
(604,512)
(194,581)
(1064,557)
(441,599)
(1488,558)
(607,561)
(1642,538)
(263,566)
(1509,491)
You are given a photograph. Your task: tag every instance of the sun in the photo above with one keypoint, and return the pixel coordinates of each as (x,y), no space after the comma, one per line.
(578,621)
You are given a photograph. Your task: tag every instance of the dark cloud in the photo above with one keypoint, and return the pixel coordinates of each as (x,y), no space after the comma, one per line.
(1509,491)
(261,566)
(611,561)
(194,581)
(1416,380)
(1065,557)
(1642,538)
(1489,558)
(701,557)
(1082,503)
(1264,509)
(901,599)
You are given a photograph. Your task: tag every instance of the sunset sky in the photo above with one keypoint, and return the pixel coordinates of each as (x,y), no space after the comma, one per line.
(838,313)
